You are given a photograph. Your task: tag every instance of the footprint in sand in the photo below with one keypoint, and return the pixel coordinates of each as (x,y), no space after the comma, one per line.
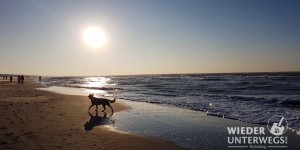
(16,139)
(30,135)
(4,143)
(3,128)
(9,134)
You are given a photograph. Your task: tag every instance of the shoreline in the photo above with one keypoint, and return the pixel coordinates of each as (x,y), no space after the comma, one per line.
(185,127)
(79,92)
(36,119)
(229,96)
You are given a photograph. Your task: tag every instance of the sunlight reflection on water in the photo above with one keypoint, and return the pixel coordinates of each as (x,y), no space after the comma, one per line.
(73,91)
(96,82)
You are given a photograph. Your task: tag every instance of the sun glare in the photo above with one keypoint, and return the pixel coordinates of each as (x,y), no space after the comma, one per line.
(94,37)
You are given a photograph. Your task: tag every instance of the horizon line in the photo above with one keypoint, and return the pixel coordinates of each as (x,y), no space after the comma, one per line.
(159,74)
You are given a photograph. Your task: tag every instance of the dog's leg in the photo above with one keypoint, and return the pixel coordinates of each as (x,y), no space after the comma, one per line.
(112,110)
(91,106)
(96,108)
(90,114)
(104,108)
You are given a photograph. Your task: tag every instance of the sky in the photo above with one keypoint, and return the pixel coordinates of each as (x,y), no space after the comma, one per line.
(39,37)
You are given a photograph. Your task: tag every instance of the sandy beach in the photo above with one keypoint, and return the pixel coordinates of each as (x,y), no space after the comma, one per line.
(35,119)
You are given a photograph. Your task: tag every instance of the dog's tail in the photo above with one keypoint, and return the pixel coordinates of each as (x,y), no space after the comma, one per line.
(112,101)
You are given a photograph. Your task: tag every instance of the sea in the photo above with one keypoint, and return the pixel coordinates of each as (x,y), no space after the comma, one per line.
(248,97)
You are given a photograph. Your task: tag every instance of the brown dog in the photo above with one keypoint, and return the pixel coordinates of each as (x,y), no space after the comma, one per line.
(100,101)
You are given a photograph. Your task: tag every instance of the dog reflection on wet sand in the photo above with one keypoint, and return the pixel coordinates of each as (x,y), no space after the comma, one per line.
(98,121)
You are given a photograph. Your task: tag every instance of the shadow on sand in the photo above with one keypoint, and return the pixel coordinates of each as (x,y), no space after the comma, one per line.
(96,120)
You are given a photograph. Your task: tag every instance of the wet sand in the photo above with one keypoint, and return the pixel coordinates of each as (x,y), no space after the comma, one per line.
(35,119)
(187,128)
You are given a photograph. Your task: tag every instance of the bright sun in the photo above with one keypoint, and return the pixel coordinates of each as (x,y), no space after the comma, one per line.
(94,37)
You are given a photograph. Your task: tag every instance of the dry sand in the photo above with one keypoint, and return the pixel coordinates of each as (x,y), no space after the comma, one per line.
(35,119)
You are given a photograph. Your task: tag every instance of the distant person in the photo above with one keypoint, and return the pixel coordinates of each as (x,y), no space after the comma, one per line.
(6,77)
(10,78)
(19,79)
(40,78)
(22,79)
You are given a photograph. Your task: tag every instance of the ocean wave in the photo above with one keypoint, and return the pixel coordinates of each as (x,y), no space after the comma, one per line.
(290,102)
(245,98)
(277,100)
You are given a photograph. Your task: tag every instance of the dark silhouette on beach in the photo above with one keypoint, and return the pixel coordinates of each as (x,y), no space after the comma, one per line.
(98,121)
(100,101)
(22,79)
(10,78)
(40,78)
(19,79)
